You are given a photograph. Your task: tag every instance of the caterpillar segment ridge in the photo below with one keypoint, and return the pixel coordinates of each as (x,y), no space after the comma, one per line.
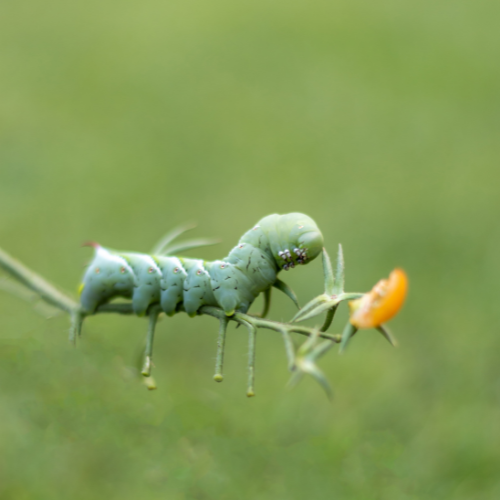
(275,243)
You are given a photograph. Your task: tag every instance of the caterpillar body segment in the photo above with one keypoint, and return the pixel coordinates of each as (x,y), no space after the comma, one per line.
(277,242)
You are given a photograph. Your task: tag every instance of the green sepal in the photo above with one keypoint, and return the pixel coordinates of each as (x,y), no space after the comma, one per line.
(348,332)
(387,334)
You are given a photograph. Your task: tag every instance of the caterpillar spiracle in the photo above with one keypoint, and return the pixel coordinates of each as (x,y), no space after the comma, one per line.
(275,243)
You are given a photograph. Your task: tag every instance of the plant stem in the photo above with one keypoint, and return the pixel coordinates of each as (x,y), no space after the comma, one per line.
(35,282)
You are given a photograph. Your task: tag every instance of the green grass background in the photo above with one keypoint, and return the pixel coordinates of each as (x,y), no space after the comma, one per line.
(380,119)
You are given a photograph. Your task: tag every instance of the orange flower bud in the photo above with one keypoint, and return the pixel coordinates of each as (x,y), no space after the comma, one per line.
(382,303)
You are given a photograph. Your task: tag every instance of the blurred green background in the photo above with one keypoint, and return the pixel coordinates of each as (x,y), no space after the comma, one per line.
(380,119)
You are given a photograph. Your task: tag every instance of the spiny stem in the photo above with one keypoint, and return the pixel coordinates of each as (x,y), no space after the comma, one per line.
(221,342)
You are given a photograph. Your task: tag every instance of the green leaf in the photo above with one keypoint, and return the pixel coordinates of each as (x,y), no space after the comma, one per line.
(348,332)
(338,287)
(189,245)
(387,334)
(316,311)
(160,247)
(329,318)
(320,299)
(328,274)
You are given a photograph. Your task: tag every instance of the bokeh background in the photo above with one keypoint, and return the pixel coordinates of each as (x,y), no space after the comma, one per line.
(380,119)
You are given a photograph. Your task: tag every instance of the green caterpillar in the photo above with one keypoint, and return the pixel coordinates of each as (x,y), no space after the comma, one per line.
(276,242)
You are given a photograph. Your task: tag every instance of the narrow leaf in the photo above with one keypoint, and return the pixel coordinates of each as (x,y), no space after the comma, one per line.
(348,332)
(328,274)
(319,309)
(318,375)
(329,318)
(295,378)
(188,245)
(321,349)
(320,299)
(289,348)
(339,273)
(159,248)
(387,334)
(349,296)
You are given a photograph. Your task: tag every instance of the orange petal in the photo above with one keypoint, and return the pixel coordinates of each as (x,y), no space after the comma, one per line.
(382,303)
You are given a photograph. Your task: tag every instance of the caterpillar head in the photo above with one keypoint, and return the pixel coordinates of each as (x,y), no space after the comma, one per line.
(300,240)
